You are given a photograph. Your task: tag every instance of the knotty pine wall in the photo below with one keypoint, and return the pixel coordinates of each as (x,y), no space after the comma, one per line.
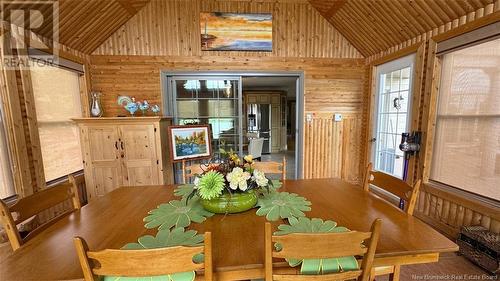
(444,210)
(165,35)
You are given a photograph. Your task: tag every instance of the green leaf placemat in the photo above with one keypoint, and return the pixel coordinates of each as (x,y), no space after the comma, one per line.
(184,190)
(164,238)
(275,205)
(176,214)
(316,266)
(276,184)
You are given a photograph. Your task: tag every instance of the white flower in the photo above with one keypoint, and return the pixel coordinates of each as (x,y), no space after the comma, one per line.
(238,179)
(260,178)
(196,182)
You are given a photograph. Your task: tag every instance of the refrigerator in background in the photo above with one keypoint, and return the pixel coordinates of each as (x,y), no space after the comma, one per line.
(259,122)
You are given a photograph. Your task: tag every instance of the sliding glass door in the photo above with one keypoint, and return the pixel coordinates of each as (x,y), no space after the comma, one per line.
(209,100)
(392,114)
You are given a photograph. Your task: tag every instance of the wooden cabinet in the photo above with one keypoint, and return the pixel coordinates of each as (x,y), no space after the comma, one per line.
(124,152)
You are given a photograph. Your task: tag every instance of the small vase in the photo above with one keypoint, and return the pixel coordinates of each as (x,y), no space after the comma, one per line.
(231,203)
(95,105)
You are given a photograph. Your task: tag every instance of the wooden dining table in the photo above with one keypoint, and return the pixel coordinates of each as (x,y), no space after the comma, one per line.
(116,219)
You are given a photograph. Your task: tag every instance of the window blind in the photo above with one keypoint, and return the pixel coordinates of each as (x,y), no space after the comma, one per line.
(57,100)
(467,138)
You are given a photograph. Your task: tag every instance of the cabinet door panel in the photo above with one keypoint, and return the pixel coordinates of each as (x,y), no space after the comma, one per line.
(275,128)
(251,99)
(106,178)
(139,159)
(104,160)
(263,98)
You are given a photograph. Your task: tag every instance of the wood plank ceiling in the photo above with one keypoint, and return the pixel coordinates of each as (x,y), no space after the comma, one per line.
(374,26)
(371,26)
(85,25)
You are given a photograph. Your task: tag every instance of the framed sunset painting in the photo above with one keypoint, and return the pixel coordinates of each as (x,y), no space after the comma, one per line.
(236,32)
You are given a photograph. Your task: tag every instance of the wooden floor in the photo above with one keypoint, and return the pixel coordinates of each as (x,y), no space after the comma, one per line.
(449,267)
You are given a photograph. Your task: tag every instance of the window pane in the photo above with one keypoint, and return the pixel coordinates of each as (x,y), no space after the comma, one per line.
(57,100)
(467,141)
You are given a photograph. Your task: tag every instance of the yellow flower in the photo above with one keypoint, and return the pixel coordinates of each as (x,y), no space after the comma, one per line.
(248,158)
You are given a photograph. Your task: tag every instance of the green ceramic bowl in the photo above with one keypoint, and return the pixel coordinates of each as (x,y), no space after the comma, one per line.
(231,203)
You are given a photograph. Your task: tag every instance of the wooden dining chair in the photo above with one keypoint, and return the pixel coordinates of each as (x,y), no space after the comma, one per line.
(394,186)
(400,189)
(32,205)
(319,246)
(143,263)
(271,167)
(190,170)
(78,182)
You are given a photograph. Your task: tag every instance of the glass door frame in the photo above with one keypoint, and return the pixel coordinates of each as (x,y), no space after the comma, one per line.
(171,103)
(388,67)
(166,75)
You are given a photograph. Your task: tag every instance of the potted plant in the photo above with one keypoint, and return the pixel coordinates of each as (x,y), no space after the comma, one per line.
(231,186)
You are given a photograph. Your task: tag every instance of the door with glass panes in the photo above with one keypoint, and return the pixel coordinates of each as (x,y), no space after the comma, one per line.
(392,115)
(210,100)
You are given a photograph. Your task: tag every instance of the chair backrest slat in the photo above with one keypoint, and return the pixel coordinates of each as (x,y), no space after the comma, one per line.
(392,185)
(78,183)
(143,263)
(270,167)
(322,245)
(190,170)
(32,205)
(149,262)
(29,206)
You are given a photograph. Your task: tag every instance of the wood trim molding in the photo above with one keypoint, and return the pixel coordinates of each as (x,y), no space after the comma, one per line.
(418,76)
(473,25)
(369,113)
(14,123)
(433,75)
(396,55)
(85,89)
(29,102)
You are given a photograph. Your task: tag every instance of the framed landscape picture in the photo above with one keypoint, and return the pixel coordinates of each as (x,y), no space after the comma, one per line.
(190,142)
(236,32)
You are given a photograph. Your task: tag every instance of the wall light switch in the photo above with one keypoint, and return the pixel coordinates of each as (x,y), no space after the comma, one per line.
(337,117)
(309,117)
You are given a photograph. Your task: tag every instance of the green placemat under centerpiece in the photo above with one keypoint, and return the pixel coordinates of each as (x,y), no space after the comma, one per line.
(176,213)
(275,205)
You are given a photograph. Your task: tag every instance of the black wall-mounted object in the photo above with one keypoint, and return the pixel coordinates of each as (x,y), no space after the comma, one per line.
(410,143)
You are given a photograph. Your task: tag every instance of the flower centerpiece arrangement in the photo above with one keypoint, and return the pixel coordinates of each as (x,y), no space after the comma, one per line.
(231,186)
